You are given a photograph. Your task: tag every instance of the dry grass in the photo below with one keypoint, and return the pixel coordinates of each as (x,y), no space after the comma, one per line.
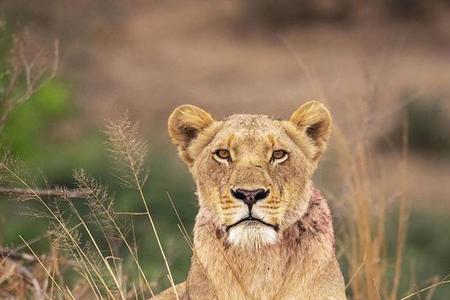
(365,242)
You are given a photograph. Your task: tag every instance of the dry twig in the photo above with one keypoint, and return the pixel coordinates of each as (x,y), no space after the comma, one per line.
(58,193)
(32,73)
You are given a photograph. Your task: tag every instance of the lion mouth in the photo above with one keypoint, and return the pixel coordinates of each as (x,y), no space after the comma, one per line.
(250,220)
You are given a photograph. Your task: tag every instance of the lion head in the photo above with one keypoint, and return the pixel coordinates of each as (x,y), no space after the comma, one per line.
(253,172)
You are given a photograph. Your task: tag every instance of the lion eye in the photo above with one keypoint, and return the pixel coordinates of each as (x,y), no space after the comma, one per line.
(279,155)
(223,154)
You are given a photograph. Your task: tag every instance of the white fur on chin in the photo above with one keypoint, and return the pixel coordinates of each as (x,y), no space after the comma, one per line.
(252,236)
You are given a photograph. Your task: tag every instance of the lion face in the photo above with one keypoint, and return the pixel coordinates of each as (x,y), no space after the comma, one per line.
(252,172)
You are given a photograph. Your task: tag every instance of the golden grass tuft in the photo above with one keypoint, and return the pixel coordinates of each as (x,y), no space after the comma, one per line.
(365,245)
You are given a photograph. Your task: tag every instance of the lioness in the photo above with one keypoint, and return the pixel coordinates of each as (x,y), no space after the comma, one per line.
(262,231)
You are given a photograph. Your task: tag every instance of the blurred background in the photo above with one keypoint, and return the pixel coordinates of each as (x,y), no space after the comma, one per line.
(373,63)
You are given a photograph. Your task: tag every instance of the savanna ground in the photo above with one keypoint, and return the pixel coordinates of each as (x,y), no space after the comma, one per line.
(374,65)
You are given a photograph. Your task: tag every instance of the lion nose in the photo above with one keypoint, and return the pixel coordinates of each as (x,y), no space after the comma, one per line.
(250,197)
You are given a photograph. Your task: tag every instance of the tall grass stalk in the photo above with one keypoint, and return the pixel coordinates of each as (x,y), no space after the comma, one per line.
(88,183)
(403,215)
(114,275)
(130,151)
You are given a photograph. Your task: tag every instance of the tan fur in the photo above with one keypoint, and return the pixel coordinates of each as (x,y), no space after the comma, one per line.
(292,255)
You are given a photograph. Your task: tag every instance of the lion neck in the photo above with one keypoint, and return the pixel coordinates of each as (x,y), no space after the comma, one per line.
(267,270)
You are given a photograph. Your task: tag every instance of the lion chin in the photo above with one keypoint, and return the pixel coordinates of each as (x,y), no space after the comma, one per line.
(251,235)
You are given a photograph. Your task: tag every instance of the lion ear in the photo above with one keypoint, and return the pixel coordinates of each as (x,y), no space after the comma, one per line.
(314,119)
(185,123)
